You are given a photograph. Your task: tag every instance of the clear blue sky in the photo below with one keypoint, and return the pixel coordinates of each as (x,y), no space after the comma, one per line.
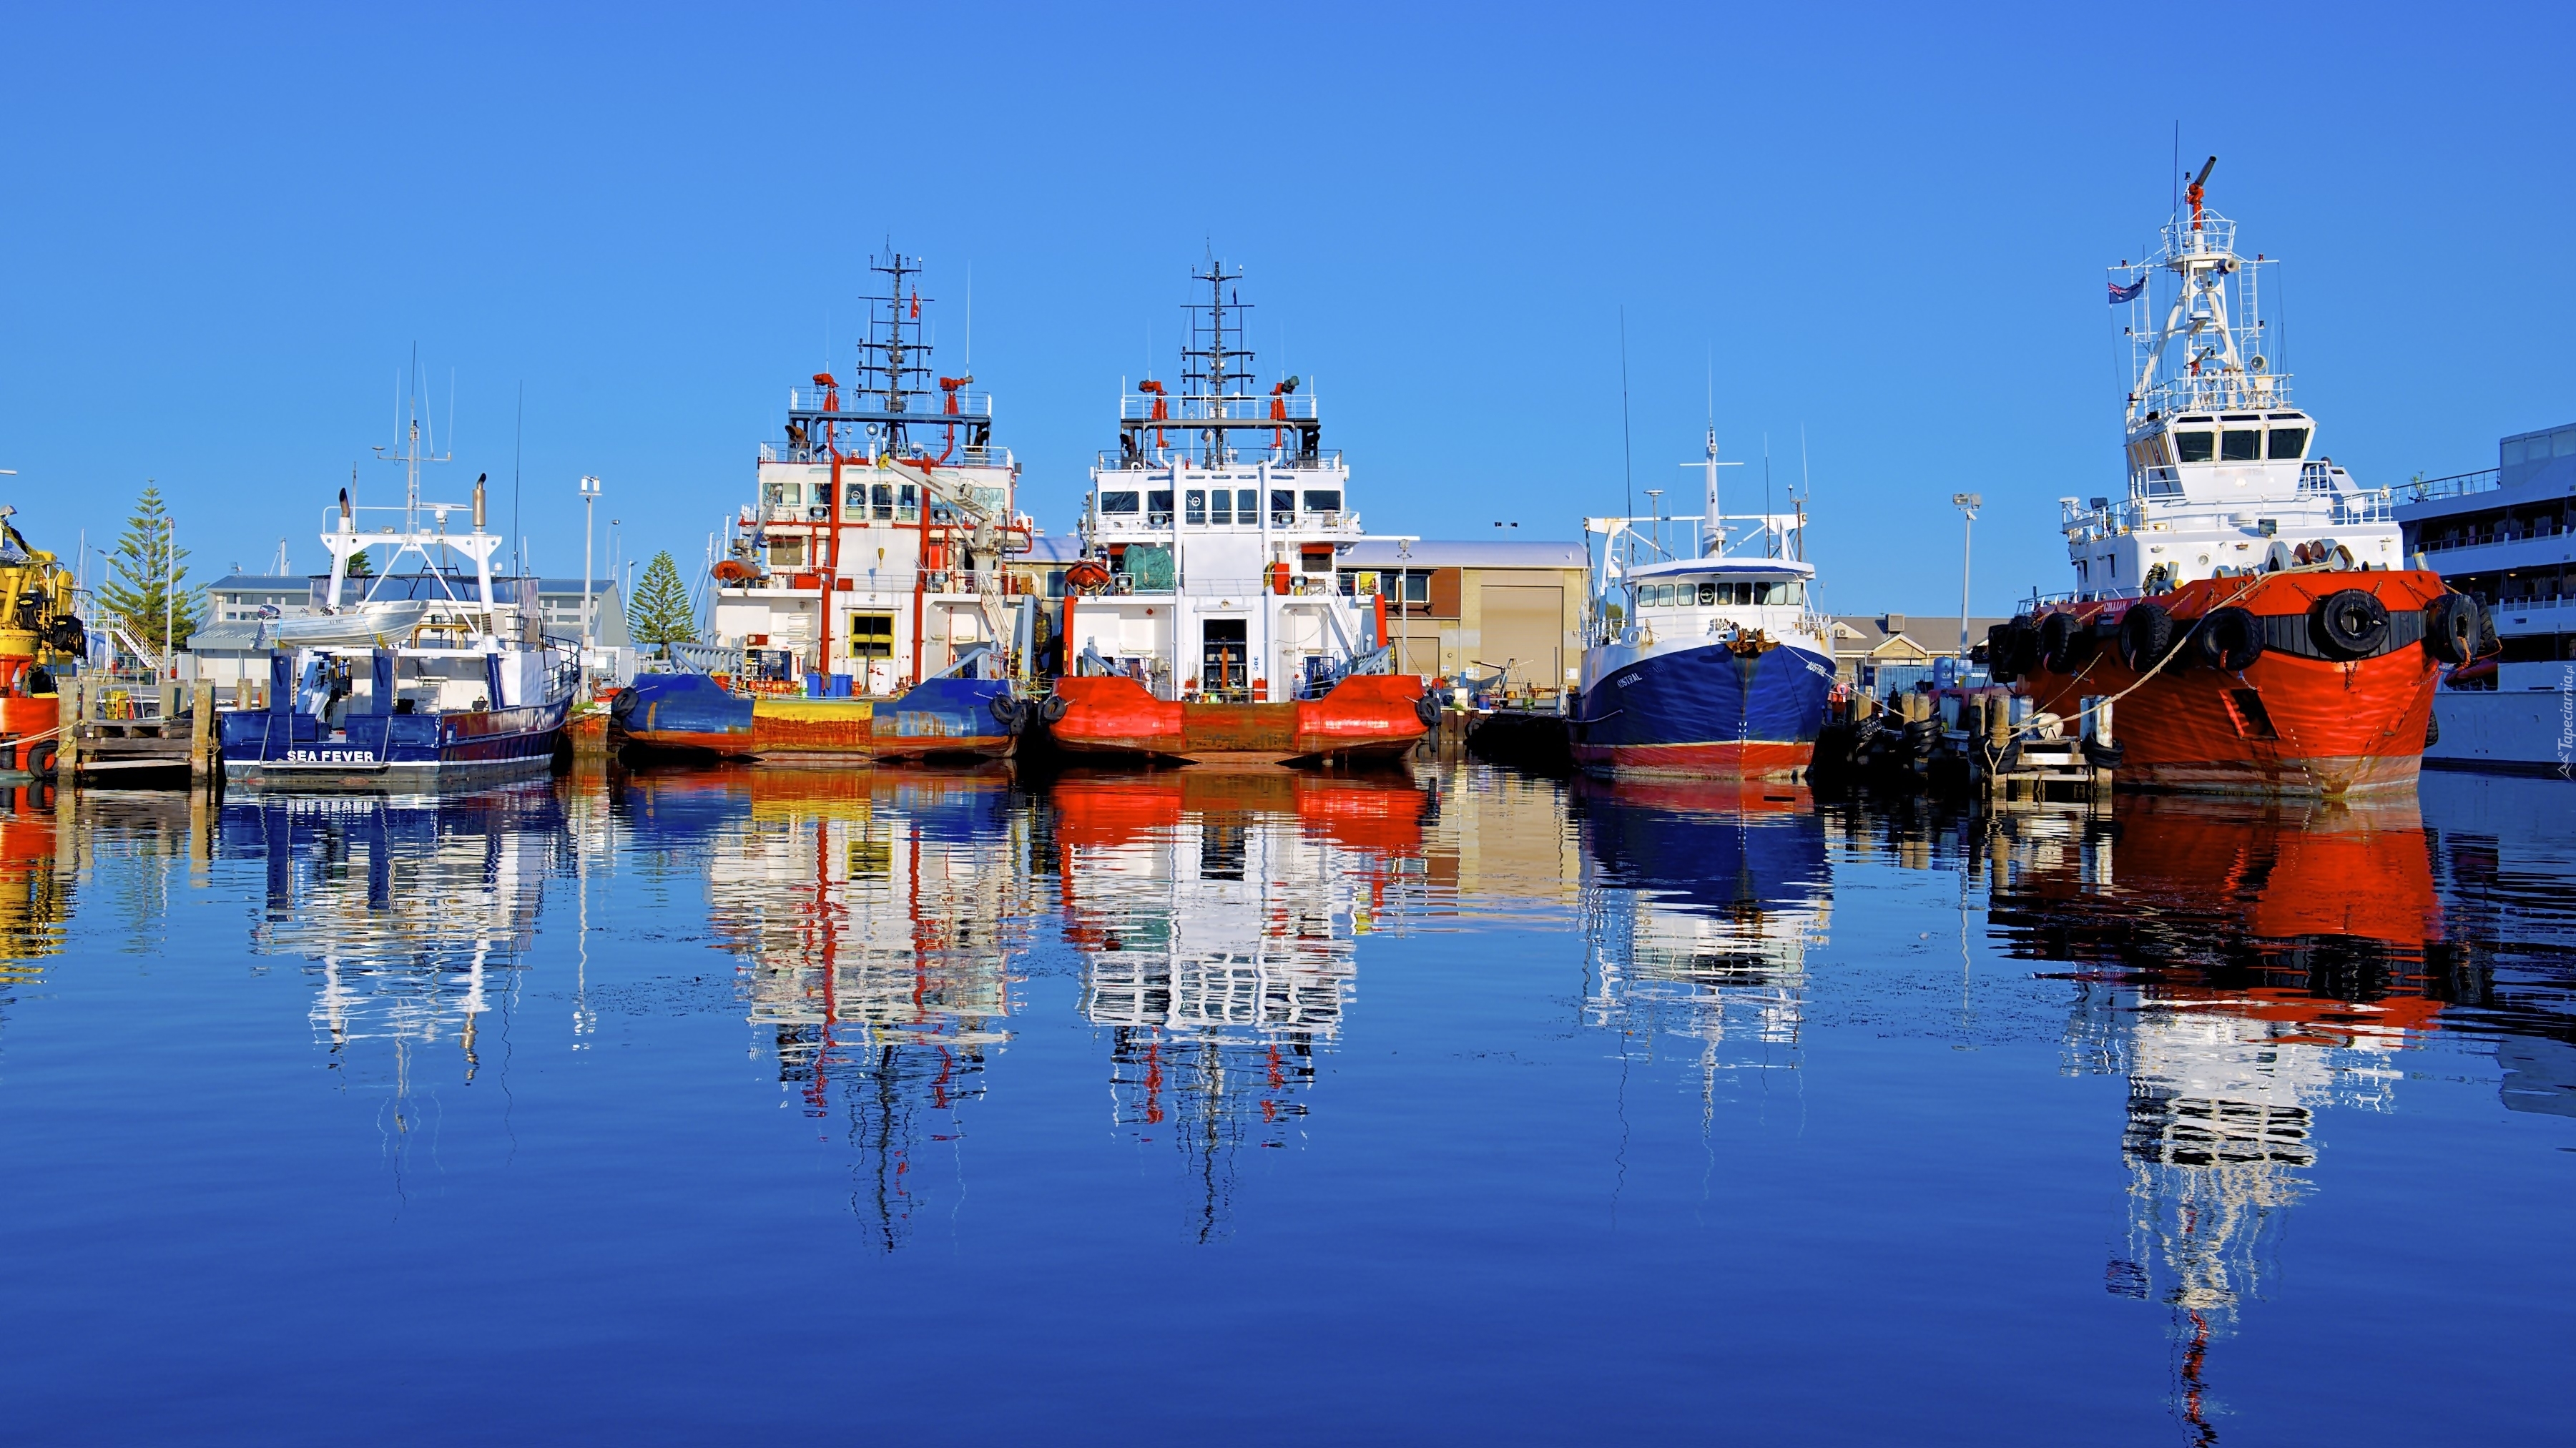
(226,231)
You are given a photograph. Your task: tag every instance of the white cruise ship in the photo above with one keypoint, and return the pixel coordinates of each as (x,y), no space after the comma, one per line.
(2504,535)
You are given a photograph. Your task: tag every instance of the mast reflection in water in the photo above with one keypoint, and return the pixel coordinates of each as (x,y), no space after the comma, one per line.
(1218,915)
(2246,968)
(878,917)
(1701,903)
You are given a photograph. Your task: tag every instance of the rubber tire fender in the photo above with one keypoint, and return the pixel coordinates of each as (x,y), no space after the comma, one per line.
(622,707)
(2146,635)
(1052,707)
(2350,623)
(1005,711)
(39,759)
(2432,729)
(2452,628)
(1427,709)
(1999,653)
(2057,635)
(2229,638)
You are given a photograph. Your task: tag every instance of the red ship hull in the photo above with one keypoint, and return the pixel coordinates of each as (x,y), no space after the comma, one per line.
(1365,716)
(2287,723)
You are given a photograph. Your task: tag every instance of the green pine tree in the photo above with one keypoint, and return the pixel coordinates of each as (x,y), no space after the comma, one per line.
(659,613)
(147,592)
(360,566)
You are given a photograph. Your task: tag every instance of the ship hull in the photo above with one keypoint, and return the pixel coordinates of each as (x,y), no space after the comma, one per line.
(690,714)
(266,749)
(2290,723)
(1370,716)
(1702,712)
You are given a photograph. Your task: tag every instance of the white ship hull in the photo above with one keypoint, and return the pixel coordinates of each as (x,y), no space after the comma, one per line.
(2526,725)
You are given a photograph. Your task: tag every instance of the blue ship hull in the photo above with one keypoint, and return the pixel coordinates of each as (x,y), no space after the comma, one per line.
(286,747)
(1704,712)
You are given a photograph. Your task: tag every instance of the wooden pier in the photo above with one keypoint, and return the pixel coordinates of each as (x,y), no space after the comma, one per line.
(112,733)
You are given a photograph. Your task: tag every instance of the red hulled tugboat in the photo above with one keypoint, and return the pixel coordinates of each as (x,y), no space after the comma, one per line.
(2246,606)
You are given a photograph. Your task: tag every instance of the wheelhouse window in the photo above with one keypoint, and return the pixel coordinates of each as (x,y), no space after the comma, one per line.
(1247,506)
(1220,506)
(2195,447)
(1708,593)
(1194,506)
(1158,506)
(1323,500)
(872,636)
(1283,507)
(2240,445)
(2289,443)
(1120,502)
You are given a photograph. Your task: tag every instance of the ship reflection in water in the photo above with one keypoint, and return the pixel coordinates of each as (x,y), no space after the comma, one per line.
(1701,903)
(1320,1049)
(412,914)
(2247,968)
(878,918)
(1218,916)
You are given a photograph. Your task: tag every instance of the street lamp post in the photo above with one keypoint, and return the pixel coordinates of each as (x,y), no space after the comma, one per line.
(1967,504)
(589,502)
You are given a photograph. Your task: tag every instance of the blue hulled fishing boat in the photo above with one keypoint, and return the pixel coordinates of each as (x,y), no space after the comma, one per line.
(434,679)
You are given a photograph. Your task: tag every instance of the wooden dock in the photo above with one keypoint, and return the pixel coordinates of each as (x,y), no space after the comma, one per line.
(114,736)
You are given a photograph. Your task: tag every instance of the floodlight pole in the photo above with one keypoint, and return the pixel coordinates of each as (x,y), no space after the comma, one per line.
(589,502)
(1967,504)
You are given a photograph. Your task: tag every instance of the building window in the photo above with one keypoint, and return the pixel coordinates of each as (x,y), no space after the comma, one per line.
(872,636)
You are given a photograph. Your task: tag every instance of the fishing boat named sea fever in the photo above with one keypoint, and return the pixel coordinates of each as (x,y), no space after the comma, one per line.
(2245,607)
(1205,621)
(431,679)
(1714,666)
(862,611)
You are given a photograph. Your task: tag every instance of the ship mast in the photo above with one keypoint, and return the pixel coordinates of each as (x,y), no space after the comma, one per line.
(1209,362)
(2210,310)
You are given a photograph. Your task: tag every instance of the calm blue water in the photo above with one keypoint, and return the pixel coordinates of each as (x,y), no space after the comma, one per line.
(1460,1106)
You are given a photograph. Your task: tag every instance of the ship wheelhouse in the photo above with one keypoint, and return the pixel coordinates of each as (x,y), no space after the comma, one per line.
(1691,597)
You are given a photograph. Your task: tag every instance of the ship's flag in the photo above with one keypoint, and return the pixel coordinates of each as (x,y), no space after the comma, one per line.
(2128,293)
(916,306)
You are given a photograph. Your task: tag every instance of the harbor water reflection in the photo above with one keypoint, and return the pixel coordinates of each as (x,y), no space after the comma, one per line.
(1567,1069)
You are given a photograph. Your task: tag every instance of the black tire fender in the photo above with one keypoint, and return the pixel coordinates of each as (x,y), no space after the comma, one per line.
(2350,623)
(1427,709)
(1999,653)
(2057,642)
(1052,707)
(2229,638)
(39,759)
(2146,635)
(2453,626)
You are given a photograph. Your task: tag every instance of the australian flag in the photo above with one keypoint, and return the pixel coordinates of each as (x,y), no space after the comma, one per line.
(2128,293)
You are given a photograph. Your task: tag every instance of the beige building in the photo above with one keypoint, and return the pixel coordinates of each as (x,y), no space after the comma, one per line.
(1476,607)
(1864,642)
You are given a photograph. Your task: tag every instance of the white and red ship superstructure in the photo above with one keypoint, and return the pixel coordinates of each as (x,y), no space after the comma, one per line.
(2246,604)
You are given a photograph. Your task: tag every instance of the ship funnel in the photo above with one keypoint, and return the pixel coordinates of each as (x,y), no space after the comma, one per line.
(345,525)
(478,500)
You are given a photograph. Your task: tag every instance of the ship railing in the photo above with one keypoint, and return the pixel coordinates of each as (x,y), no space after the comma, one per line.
(2215,392)
(959,582)
(785,450)
(1281,460)
(930,408)
(2506,530)
(2457,485)
(1183,410)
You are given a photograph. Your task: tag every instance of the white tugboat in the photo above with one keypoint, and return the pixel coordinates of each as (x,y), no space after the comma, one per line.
(1205,621)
